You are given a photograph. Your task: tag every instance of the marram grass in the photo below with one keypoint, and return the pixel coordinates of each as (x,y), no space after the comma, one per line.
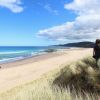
(77,81)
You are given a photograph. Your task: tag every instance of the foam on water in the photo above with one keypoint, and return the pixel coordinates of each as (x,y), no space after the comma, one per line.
(12,52)
(9,54)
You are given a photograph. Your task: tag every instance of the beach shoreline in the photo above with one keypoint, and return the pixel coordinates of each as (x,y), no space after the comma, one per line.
(21,72)
(36,58)
(16,53)
(27,60)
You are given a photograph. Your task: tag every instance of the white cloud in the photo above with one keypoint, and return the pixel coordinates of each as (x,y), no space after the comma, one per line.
(13,5)
(50,9)
(86,25)
(84,6)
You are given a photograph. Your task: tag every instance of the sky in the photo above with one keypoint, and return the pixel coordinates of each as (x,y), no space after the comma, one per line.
(48,22)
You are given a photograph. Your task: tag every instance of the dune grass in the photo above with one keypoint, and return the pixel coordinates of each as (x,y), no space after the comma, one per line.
(77,81)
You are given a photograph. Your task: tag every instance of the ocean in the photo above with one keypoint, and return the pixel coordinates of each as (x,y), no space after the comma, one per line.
(13,53)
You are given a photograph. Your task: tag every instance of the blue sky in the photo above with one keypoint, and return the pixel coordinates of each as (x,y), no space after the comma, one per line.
(43,22)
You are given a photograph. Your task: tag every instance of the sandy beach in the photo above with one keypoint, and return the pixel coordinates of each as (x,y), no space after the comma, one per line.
(20,72)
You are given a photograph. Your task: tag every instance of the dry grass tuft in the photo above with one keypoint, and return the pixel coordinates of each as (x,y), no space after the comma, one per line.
(77,81)
(81,77)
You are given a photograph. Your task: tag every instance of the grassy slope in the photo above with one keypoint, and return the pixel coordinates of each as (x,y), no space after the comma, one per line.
(77,81)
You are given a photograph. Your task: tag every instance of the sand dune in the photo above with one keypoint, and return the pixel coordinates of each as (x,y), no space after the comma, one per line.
(21,72)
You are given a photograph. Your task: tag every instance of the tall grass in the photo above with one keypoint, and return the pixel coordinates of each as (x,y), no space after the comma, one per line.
(77,81)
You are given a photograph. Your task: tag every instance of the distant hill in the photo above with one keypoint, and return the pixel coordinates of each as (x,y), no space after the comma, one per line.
(85,44)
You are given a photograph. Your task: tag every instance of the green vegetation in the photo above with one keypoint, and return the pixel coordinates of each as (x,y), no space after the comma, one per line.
(77,81)
(84,44)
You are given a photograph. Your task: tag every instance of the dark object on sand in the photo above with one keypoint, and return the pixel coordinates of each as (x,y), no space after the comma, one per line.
(94,57)
(50,50)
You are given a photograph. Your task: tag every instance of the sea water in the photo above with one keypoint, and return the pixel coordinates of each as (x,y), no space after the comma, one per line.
(13,53)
